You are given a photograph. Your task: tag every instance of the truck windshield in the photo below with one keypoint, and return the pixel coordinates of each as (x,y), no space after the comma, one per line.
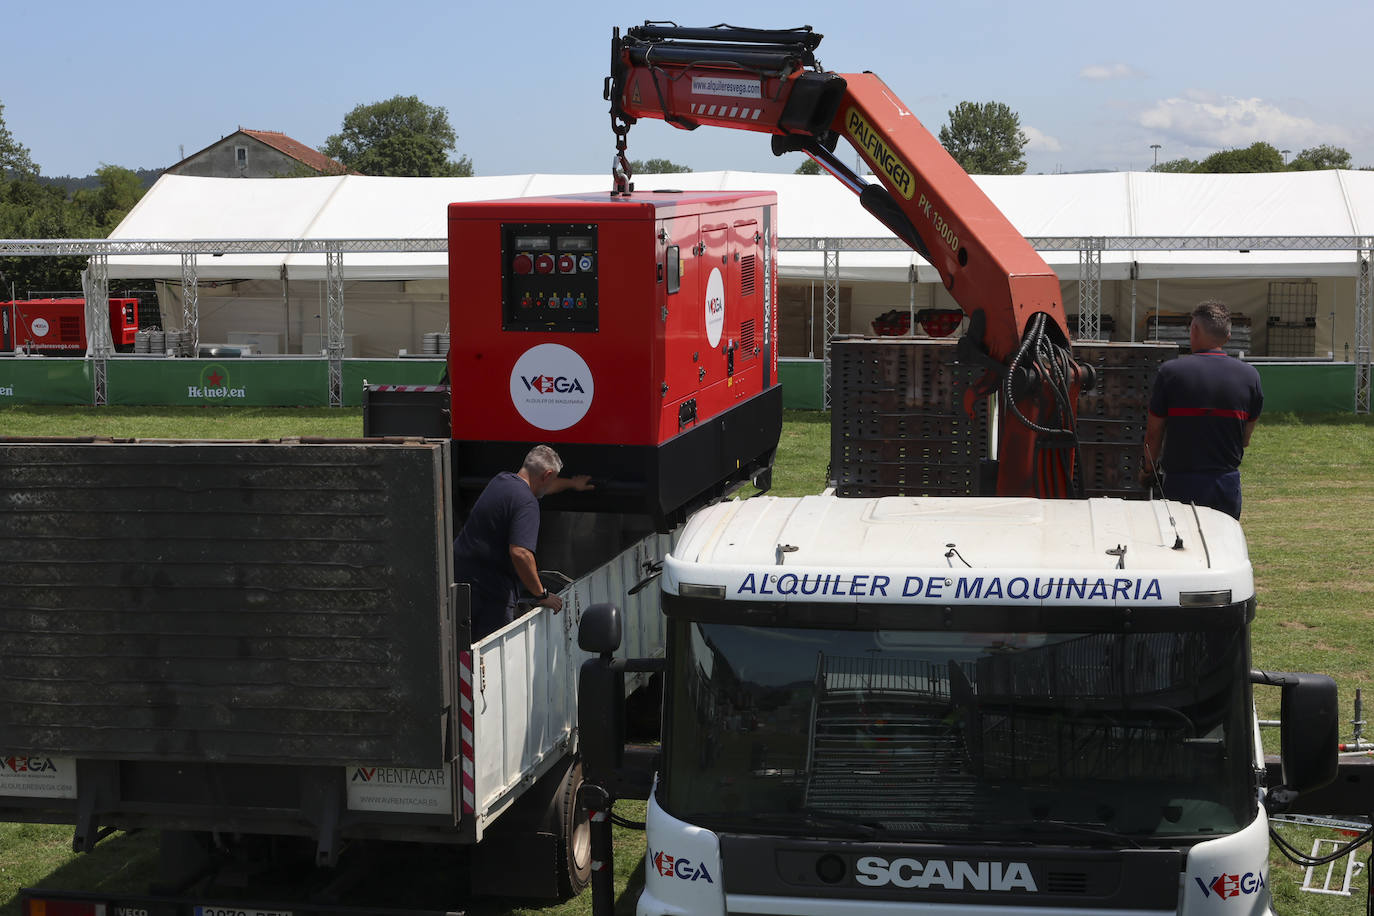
(965,736)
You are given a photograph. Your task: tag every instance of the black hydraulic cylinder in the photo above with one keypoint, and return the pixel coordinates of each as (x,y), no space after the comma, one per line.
(660,31)
(752,58)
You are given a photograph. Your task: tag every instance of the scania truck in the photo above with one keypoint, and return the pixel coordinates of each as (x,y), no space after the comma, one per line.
(961,705)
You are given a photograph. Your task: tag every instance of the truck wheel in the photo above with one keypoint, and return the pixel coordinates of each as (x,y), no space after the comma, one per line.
(574,829)
(542,846)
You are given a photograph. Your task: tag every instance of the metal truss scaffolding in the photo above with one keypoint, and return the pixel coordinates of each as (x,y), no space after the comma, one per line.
(1363,310)
(830,299)
(1090,293)
(190,300)
(95,285)
(333,270)
(1089,248)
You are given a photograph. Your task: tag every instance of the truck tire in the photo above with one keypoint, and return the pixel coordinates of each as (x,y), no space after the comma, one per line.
(575,830)
(541,847)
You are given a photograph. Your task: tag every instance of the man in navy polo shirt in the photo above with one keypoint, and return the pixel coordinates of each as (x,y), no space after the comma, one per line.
(1202,412)
(494,551)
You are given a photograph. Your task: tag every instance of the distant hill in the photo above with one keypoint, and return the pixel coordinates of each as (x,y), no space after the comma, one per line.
(73,184)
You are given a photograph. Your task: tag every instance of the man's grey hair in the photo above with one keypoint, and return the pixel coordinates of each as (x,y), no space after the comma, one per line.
(1214,318)
(542,458)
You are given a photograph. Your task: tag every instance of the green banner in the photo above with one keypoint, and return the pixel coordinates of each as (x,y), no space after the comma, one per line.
(387,372)
(46,380)
(265,382)
(218,382)
(803,383)
(1307,387)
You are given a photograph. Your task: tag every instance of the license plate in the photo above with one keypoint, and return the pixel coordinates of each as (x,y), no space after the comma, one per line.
(237,911)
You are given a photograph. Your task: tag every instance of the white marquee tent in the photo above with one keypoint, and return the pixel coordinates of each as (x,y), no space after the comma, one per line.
(1105,205)
(1141,227)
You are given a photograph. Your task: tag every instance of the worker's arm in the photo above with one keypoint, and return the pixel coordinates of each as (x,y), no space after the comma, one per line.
(559,484)
(1154,446)
(1246,433)
(523,561)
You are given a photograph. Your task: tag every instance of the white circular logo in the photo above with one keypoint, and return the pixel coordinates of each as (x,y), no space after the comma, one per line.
(715,307)
(551,386)
(39,327)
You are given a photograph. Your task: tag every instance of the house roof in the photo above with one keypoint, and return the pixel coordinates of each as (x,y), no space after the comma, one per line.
(306,155)
(297,150)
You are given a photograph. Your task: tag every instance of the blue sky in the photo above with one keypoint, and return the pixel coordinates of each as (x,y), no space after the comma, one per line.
(1095,84)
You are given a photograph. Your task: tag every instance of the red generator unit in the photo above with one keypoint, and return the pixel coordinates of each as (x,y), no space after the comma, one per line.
(57,327)
(635,333)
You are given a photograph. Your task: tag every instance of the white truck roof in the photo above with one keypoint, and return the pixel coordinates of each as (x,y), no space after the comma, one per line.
(963,550)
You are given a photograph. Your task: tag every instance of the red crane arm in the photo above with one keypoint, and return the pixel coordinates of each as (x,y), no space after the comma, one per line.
(769,81)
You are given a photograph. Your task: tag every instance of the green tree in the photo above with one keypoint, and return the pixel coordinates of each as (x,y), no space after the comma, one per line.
(1257,157)
(401,136)
(1321,157)
(104,206)
(30,210)
(1176,165)
(14,156)
(985,138)
(809,167)
(656,167)
(33,208)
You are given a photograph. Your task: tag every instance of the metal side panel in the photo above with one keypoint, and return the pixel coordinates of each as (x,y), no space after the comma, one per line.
(524,682)
(520,719)
(238,602)
(645,630)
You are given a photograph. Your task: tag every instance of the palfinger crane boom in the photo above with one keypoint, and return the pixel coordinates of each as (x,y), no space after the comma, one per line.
(769,81)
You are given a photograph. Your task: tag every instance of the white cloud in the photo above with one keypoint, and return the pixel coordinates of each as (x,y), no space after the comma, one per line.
(1038,141)
(1209,121)
(1100,72)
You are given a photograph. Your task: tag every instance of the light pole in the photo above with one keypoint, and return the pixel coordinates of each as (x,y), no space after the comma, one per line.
(1285,155)
(1156,147)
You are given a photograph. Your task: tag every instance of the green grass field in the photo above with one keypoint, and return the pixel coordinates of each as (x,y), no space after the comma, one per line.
(1309,496)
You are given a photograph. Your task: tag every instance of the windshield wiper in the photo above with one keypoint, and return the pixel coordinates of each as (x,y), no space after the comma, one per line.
(809,817)
(1049,825)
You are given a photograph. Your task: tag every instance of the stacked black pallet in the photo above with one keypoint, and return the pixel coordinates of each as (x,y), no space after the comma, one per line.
(1173,329)
(899,425)
(1111,417)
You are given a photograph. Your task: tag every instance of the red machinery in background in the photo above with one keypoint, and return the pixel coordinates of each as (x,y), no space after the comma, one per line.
(57,327)
(632,332)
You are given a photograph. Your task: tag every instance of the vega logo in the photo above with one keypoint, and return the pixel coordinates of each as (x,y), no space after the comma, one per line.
(715,307)
(28,764)
(551,386)
(670,866)
(1227,886)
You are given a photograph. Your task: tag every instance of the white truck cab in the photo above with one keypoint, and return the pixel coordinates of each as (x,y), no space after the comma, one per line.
(965,705)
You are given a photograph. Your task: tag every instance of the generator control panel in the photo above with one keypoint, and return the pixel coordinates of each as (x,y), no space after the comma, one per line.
(549,277)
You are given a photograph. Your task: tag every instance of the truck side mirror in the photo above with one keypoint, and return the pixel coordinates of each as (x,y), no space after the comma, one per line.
(601,719)
(600,629)
(1309,728)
